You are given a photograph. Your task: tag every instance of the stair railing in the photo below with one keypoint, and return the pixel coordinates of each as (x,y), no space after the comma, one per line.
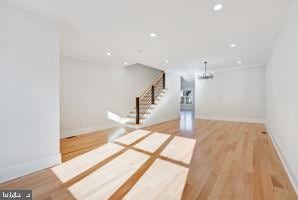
(148,98)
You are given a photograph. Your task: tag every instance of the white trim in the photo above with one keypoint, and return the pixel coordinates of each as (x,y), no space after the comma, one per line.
(152,123)
(239,67)
(291,173)
(166,119)
(233,119)
(82,59)
(86,130)
(33,9)
(22,169)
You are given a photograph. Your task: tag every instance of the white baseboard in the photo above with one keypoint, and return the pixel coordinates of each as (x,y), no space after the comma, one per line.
(160,121)
(152,123)
(100,127)
(86,130)
(291,173)
(232,119)
(16,171)
(153,119)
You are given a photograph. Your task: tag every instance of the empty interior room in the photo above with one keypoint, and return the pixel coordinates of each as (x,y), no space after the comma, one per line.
(149,100)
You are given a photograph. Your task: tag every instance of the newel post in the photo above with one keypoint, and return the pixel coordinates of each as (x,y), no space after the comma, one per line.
(164,80)
(152,94)
(137,110)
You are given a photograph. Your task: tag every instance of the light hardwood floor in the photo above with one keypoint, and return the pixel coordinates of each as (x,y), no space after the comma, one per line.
(163,180)
(231,160)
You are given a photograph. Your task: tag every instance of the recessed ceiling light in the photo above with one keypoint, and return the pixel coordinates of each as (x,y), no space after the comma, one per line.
(109,53)
(152,34)
(239,62)
(218,7)
(167,61)
(233,45)
(125,63)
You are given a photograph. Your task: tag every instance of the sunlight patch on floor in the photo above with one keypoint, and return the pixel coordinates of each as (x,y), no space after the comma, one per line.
(77,165)
(152,142)
(132,137)
(180,149)
(116,134)
(102,183)
(163,180)
(114,117)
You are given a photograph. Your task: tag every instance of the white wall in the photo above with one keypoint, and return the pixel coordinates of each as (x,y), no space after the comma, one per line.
(168,108)
(282,92)
(29,97)
(234,95)
(89,90)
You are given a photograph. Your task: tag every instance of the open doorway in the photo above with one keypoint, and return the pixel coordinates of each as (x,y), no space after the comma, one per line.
(187,94)
(187,103)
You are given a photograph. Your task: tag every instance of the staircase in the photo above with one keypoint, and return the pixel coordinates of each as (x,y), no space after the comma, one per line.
(146,102)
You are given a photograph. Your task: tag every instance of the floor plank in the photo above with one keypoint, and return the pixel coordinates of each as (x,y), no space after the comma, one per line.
(180,149)
(102,183)
(77,165)
(132,137)
(163,180)
(152,142)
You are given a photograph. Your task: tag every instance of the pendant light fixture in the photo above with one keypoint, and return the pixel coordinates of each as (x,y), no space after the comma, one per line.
(206,75)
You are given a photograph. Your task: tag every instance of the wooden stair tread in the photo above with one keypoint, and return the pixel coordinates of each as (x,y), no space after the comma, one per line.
(133,117)
(143,104)
(150,108)
(156,92)
(130,115)
(141,113)
(133,123)
(149,98)
(134,112)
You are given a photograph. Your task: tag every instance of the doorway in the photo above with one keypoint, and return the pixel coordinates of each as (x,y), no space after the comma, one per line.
(187,103)
(187,94)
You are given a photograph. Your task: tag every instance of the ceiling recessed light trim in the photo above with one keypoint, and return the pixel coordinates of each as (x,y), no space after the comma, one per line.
(109,53)
(153,34)
(125,63)
(218,7)
(233,45)
(239,62)
(166,61)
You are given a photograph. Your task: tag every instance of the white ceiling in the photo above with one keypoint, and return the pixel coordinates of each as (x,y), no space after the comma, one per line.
(188,31)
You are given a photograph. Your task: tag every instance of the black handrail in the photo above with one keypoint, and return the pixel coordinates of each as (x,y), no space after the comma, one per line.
(148,98)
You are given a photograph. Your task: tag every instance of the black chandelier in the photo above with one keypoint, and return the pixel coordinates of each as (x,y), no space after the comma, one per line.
(206,75)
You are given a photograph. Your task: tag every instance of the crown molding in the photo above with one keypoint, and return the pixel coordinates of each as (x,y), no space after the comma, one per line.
(33,9)
(85,59)
(187,73)
(239,67)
